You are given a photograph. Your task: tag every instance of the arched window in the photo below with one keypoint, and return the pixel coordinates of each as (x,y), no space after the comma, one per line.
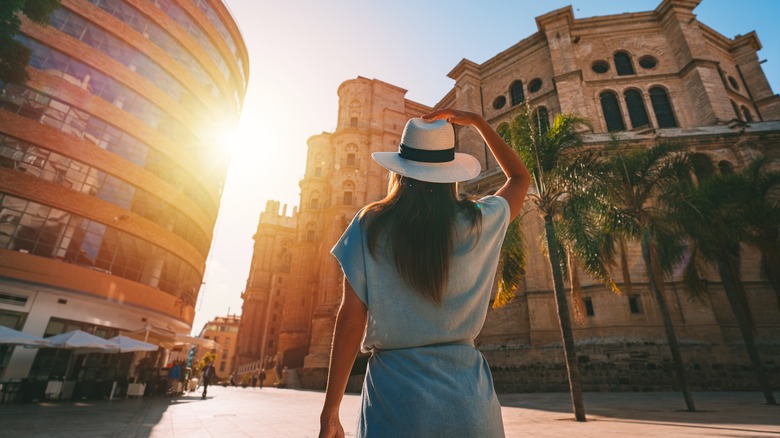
(318,164)
(611,109)
(636,109)
(314,200)
(310,234)
(702,165)
(541,119)
(623,64)
(348,192)
(351,150)
(354,113)
(662,108)
(516,91)
(725,167)
(746,113)
(503,131)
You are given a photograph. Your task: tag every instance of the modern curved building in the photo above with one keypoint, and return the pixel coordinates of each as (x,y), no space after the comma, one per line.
(110,170)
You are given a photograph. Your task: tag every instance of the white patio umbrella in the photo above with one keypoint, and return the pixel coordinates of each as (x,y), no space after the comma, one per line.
(80,340)
(9,336)
(128,344)
(82,343)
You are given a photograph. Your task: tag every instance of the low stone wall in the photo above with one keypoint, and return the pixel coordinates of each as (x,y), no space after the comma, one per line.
(313,378)
(609,367)
(630,367)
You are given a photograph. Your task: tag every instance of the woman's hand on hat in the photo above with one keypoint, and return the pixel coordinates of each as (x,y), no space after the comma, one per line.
(454,116)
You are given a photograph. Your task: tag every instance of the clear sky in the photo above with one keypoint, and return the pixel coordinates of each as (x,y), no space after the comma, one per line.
(301,50)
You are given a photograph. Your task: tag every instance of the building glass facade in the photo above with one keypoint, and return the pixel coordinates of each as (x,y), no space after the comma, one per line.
(109,189)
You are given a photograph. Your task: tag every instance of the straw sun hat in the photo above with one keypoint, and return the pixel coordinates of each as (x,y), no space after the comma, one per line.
(427,153)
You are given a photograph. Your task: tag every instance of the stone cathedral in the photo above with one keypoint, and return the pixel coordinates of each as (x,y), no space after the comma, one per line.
(644,77)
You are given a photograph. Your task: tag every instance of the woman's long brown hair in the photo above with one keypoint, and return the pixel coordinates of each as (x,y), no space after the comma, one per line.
(417,223)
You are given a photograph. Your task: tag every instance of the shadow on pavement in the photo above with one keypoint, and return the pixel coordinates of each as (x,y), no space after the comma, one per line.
(714,409)
(119,418)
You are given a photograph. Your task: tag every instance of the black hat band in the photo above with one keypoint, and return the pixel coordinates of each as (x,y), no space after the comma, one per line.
(425,156)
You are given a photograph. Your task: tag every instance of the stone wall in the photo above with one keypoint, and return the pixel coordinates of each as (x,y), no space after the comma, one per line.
(630,367)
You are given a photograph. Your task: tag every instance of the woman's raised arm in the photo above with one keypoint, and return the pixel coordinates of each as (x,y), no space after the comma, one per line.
(517,177)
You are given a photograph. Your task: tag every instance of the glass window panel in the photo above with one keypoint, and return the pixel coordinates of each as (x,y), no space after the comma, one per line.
(636,109)
(542,119)
(662,108)
(100,133)
(55,61)
(623,64)
(516,92)
(74,26)
(611,110)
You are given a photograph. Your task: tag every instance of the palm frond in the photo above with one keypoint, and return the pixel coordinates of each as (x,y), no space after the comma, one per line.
(695,286)
(511,264)
(583,230)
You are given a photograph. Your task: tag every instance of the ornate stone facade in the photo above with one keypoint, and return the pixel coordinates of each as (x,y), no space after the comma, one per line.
(266,288)
(643,77)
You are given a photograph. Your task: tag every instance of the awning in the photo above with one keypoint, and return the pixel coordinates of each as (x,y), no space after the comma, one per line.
(169,339)
(200,342)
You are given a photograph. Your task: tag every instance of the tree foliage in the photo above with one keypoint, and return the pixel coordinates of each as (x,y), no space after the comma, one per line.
(13,55)
(558,168)
(622,206)
(721,213)
(209,357)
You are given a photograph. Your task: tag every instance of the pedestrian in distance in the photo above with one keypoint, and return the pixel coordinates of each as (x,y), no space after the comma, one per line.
(174,378)
(209,375)
(262,377)
(254,379)
(419,267)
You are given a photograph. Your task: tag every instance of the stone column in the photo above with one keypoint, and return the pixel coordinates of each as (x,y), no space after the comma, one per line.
(556,27)
(707,98)
(468,96)
(744,49)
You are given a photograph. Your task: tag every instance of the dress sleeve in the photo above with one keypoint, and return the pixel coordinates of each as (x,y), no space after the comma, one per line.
(498,206)
(350,253)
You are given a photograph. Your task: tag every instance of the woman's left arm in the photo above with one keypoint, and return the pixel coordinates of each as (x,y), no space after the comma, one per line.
(347,335)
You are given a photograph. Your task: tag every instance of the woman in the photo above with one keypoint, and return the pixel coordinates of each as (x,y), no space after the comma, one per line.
(418,269)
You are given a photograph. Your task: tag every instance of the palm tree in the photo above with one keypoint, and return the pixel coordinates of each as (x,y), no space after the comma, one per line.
(625,205)
(721,212)
(762,209)
(549,154)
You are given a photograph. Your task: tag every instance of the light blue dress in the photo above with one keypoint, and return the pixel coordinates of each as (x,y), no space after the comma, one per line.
(425,378)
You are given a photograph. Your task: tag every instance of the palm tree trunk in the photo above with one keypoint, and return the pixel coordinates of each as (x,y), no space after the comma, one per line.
(671,338)
(729,276)
(772,272)
(564,321)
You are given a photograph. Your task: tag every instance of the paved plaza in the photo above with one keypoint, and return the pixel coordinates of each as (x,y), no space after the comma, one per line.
(270,412)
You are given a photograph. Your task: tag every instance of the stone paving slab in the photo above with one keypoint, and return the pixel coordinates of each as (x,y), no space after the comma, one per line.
(280,413)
